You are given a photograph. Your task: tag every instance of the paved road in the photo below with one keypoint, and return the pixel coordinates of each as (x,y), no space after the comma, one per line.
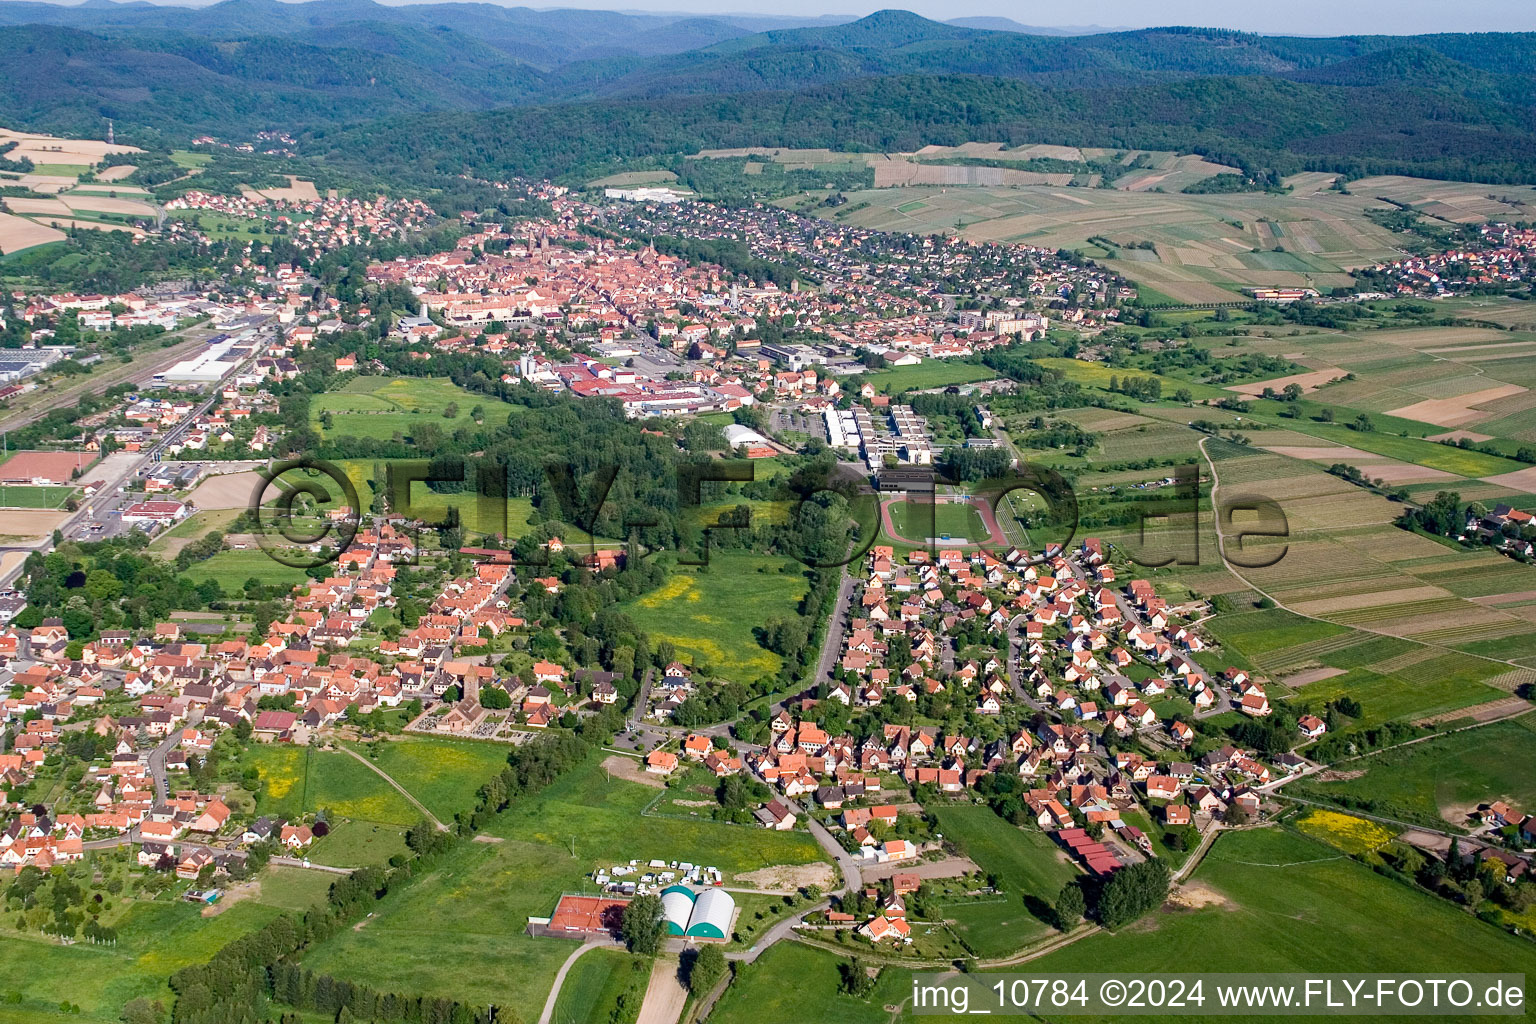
(837,628)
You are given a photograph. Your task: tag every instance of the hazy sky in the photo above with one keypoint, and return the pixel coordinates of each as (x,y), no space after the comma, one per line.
(1292,17)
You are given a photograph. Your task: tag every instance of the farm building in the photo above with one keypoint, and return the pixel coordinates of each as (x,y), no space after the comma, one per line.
(704,915)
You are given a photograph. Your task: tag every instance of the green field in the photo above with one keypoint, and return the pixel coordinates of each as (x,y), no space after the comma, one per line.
(189,159)
(232,568)
(1277,901)
(1030,866)
(302,780)
(709,615)
(931,373)
(1254,633)
(61,170)
(958,521)
(443,774)
(480,896)
(155,938)
(194,527)
(222,227)
(1444,778)
(354,844)
(294,888)
(792,983)
(381,408)
(30,496)
(597,982)
(1399,696)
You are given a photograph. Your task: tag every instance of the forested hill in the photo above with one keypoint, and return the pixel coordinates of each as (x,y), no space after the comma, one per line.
(1252,121)
(559,92)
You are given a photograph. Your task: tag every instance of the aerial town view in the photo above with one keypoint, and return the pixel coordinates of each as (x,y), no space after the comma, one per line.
(575,516)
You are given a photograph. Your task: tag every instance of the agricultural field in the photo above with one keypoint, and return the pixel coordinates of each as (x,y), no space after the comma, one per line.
(482,894)
(1355,836)
(381,408)
(1255,633)
(708,612)
(1207,247)
(1442,779)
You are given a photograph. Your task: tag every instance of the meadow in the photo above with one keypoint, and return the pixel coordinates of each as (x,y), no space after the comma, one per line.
(381,408)
(708,612)
(232,568)
(443,774)
(790,977)
(481,894)
(155,938)
(221,227)
(1441,779)
(302,780)
(1029,865)
(930,373)
(1283,902)
(354,844)
(598,983)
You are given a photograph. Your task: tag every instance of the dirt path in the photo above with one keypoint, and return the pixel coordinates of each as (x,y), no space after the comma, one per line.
(664,996)
(381,773)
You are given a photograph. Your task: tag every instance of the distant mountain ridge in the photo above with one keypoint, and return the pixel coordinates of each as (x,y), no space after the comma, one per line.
(1459,101)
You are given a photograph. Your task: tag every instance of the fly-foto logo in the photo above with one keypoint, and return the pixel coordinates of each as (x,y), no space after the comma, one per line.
(307,511)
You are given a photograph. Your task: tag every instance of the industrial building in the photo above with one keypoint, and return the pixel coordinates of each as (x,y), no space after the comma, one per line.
(207,366)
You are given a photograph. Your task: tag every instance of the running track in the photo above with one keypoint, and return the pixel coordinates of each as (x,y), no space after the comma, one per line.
(983,509)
